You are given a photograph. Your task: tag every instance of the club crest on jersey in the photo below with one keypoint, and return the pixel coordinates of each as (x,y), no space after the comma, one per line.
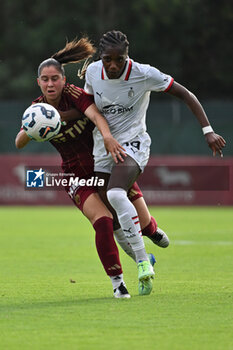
(131,93)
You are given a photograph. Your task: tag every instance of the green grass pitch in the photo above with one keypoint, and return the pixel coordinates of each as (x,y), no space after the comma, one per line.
(42,248)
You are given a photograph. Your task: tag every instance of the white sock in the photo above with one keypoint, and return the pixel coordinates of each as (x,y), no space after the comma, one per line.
(128,219)
(124,243)
(116,280)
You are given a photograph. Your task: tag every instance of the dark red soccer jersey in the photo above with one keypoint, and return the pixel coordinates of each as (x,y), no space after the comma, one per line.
(74,141)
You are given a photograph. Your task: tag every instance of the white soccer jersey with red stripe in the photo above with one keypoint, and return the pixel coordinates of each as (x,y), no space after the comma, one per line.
(124,101)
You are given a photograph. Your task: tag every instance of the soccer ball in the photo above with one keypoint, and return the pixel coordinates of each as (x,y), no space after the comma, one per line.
(41,122)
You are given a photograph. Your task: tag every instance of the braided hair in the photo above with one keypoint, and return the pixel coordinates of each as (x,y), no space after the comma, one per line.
(73,52)
(113,38)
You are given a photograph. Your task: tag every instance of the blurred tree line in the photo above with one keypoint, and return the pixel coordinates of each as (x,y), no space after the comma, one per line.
(189,39)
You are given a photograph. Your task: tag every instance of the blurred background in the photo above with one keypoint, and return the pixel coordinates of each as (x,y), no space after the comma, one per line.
(188,39)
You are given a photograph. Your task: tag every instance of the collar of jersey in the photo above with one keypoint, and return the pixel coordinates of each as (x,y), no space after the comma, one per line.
(124,76)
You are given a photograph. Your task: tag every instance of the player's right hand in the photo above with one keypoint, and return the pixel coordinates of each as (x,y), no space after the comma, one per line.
(114,147)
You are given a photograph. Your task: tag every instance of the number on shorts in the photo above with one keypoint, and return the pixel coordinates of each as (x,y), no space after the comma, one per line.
(134,144)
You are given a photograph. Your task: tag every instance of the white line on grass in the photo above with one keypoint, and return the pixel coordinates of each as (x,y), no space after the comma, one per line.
(183,242)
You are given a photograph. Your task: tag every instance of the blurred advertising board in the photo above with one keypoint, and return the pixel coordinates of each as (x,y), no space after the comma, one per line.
(167,180)
(183,180)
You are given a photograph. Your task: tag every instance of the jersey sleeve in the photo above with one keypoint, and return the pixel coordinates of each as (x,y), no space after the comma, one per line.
(79,98)
(88,87)
(158,81)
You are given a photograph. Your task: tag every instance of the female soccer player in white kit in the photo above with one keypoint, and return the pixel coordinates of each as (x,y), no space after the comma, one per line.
(121,89)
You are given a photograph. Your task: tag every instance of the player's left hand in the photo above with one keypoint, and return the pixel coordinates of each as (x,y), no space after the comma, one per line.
(114,147)
(216,143)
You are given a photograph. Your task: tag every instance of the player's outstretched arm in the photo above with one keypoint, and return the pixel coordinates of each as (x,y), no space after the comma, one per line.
(111,144)
(214,141)
(21,139)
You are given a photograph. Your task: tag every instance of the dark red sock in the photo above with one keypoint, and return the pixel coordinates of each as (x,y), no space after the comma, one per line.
(106,246)
(150,229)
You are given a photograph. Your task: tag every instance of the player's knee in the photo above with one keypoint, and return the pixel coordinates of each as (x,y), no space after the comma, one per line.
(99,216)
(116,196)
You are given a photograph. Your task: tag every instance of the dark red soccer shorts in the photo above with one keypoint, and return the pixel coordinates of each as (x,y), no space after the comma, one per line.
(81,195)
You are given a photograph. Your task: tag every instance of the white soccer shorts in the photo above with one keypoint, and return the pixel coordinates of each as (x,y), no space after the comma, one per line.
(137,148)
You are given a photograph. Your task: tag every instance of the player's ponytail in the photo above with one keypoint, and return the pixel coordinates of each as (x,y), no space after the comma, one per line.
(73,52)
